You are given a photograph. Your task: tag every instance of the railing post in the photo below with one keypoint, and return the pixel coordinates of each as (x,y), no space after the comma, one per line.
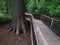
(31,27)
(51,23)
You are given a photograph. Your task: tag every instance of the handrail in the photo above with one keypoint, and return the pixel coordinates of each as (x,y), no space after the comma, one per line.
(50,17)
(31,27)
(40,38)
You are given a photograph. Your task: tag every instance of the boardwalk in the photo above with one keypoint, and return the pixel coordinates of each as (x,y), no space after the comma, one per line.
(44,35)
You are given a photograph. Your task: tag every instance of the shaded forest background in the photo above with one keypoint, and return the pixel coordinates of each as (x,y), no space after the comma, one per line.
(47,7)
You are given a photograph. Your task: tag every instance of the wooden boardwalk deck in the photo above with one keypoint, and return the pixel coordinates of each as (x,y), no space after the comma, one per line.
(44,35)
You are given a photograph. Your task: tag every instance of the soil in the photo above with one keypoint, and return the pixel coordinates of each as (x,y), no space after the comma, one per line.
(10,38)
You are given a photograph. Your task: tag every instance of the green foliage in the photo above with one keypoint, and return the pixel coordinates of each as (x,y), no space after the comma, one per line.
(3,6)
(5,17)
(48,7)
(29,5)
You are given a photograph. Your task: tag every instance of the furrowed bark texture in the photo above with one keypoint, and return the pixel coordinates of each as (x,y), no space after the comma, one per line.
(18,19)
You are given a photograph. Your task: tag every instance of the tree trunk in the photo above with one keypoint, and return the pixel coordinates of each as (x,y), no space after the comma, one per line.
(18,20)
(6,6)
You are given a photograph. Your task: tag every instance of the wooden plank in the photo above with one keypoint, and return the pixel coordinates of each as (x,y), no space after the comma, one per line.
(44,35)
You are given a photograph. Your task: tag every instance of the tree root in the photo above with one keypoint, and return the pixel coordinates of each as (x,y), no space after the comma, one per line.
(17,29)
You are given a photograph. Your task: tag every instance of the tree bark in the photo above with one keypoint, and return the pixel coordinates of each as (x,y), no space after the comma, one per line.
(7,7)
(18,20)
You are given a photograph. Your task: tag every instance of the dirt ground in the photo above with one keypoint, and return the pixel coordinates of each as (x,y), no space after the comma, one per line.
(10,38)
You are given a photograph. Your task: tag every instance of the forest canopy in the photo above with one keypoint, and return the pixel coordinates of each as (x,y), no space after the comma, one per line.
(47,7)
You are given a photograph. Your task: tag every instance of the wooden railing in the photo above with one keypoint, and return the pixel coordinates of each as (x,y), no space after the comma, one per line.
(30,17)
(52,23)
(38,36)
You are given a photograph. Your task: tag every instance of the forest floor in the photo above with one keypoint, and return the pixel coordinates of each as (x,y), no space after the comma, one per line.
(10,38)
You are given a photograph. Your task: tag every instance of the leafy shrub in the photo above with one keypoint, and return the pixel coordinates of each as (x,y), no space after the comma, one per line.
(5,17)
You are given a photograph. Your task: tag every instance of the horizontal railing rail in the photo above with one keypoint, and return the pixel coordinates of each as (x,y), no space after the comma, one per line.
(52,23)
(30,17)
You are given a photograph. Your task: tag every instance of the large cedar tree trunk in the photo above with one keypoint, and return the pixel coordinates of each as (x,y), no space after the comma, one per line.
(18,20)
